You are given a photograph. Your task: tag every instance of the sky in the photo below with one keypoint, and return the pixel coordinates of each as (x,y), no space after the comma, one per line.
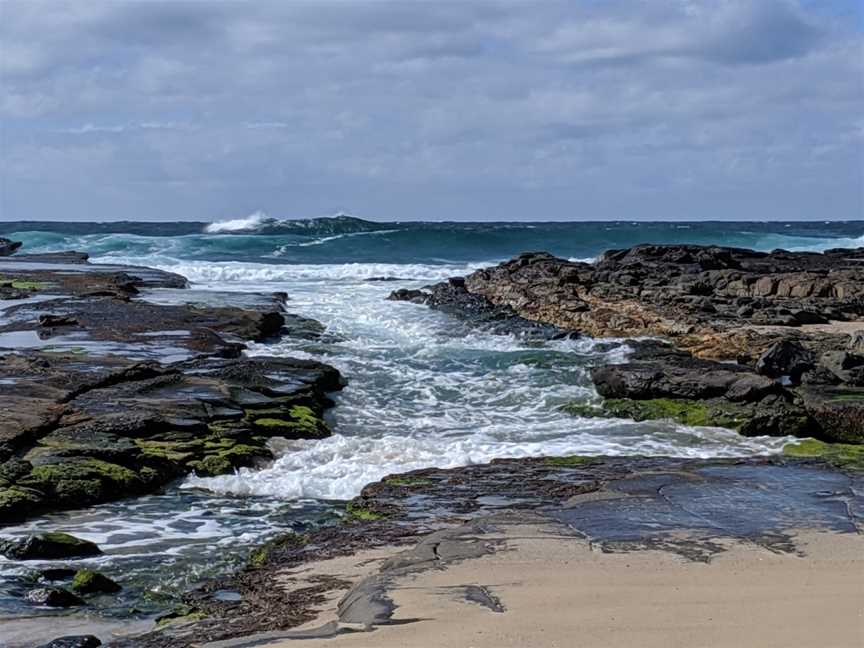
(580,110)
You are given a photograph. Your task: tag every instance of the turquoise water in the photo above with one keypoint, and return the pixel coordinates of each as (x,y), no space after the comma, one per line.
(257,238)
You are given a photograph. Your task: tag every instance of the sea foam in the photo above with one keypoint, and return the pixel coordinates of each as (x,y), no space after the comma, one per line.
(250,222)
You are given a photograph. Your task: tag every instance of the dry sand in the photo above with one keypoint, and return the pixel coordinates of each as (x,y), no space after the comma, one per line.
(558,591)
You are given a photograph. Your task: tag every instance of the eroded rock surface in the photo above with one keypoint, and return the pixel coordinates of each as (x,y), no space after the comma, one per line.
(114,382)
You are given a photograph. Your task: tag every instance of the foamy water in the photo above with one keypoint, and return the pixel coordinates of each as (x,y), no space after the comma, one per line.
(426,390)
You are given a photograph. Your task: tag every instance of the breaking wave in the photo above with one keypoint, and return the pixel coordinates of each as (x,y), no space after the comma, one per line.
(250,222)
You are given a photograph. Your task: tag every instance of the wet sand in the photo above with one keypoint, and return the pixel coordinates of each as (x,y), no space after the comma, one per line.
(542,587)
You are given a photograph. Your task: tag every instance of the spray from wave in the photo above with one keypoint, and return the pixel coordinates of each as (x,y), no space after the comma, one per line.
(259,222)
(248,223)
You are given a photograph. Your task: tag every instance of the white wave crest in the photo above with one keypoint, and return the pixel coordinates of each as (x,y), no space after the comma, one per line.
(250,222)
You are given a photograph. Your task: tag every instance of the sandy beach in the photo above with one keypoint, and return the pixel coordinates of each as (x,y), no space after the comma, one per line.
(542,587)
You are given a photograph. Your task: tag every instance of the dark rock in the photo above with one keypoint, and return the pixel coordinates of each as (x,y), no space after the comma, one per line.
(786,358)
(453,298)
(8,247)
(73,641)
(48,546)
(13,470)
(847,367)
(57,574)
(709,299)
(405,294)
(49,320)
(53,597)
(839,412)
(856,343)
(750,389)
(87,581)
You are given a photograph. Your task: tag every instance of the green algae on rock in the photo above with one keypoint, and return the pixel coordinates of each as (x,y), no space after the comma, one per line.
(297,422)
(750,419)
(87,581)
(182,613)
(406,481)
(358,511)
(843,455)
(261,555)
(570,460)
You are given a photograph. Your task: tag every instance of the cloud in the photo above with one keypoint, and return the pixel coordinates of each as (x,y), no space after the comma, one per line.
(619,109)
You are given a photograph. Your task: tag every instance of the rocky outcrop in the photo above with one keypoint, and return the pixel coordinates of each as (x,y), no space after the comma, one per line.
(713,301)
(453,298)
(744,352)
(113,384)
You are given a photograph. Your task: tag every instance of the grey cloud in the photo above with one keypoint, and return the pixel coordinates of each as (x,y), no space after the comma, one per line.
(404,109)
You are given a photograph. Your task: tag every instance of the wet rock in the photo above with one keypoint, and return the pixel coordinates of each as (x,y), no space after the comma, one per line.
(87,581)
(73,641)
(48,546)
(8,247)
(839,412)
(771,416)
(57,574)
(847,367)
(50,320)
(786,358)
(13,470)
(453,298)
(709,299)
(53,597)
(133,429)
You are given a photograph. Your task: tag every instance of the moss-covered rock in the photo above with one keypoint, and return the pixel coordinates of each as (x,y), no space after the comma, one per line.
(211,466)
(13,470)
(407,481)
(360,512)
(570,461)
(182,613)
(17,502)
(298,422)
(87,581)
(843,455)
(261,555)
(21,284)
(772,416)
(171,451)
(695,413)
(82,481)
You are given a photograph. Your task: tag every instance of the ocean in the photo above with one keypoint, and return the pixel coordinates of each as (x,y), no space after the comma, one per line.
(423,388)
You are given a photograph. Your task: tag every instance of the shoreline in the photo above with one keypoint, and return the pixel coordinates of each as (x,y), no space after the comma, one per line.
(542,587)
